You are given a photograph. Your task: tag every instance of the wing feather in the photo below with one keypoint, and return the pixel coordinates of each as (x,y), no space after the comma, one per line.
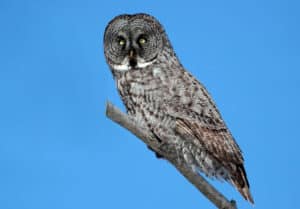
(220,144)
(198,119)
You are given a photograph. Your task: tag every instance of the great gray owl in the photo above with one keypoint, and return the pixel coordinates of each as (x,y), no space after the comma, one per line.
(168,101)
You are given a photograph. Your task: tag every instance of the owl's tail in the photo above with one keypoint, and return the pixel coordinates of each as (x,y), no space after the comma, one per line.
(240,181)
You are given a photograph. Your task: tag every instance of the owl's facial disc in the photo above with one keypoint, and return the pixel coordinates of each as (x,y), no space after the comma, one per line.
(133,50)
(132,42)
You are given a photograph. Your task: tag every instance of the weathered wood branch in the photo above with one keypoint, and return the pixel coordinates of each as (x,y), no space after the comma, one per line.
(198,181)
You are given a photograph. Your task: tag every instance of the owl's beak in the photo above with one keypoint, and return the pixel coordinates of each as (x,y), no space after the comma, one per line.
(131,54)
(132,58)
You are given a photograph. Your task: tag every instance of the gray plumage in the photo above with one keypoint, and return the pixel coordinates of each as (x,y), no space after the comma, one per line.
(169,102)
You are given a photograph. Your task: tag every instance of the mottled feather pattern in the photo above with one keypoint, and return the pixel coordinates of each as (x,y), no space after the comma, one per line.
(177,110)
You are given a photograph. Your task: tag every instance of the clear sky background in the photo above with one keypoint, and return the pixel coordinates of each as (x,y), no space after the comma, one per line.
(59,151)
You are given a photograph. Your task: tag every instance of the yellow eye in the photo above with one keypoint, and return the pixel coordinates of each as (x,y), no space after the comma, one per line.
(142,41)
(122,42)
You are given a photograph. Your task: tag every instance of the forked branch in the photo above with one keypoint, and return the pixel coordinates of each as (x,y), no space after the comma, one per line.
(198,181)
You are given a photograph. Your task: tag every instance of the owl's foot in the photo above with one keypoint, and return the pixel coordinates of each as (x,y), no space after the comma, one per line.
(232,205)
(159,156)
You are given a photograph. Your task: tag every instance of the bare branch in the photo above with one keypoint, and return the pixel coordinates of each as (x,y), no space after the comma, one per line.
(198,181)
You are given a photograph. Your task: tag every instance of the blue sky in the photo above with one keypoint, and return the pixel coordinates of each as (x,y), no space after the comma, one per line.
(57,148)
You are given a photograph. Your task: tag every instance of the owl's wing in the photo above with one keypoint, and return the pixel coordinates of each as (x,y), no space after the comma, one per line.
(216,139)
(197,116)
(219,143)
(197,119)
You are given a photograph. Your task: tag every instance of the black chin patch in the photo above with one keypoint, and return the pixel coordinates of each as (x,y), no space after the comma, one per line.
(133,62)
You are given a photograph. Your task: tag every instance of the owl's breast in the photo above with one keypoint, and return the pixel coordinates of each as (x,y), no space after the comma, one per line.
(147,85)
(144,94)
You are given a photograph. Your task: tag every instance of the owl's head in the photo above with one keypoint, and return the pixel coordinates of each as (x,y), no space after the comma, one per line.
(133,41)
